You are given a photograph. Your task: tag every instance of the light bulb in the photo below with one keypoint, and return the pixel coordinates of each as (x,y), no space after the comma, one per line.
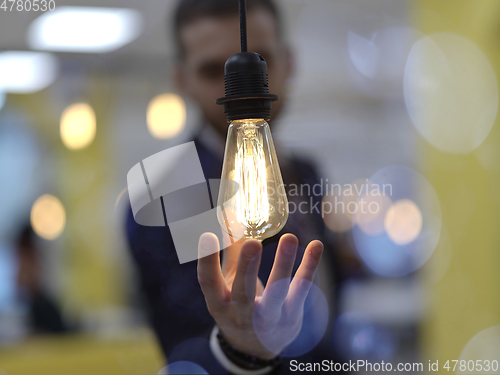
(252,199)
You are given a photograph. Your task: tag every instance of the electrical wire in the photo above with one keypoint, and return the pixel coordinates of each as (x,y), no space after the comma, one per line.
(243,25)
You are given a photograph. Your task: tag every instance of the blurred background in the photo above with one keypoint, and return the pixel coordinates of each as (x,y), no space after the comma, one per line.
(397,92)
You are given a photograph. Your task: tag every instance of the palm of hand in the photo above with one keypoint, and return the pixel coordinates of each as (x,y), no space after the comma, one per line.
(256,320)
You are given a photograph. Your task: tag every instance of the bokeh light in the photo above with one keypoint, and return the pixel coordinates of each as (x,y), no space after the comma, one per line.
(403,222)
(25,72)
(65,29)
(78,126)
(380,252)
(48,217)
(451,92)
(340,205)
(166,116)
(335,220)
(314,323)
(483,347)
(380,56)
(370,214)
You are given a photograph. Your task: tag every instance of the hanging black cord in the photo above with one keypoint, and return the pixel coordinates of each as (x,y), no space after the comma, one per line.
(243,25)
(245,81)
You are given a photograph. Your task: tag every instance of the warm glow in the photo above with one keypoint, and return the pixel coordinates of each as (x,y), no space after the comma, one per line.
(78,126)
(252,196)
(371,211)
(403,222)
(336,219)
(252,204)
(48,217)
(340,206)
(166,116)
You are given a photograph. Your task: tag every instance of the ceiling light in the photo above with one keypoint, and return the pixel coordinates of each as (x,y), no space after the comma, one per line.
(26,72)
(84,29)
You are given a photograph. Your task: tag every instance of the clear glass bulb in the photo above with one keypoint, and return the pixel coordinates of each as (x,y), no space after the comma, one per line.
(252,199)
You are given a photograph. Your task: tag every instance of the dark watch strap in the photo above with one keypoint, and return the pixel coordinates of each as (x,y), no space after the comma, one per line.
(243,360)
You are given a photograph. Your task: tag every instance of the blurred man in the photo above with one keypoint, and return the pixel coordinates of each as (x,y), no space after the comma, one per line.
(44,315)
(187,316)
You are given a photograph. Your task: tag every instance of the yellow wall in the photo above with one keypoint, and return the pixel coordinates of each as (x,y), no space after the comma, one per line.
(467,299)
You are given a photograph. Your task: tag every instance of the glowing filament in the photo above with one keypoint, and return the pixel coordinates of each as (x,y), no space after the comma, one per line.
(252,205)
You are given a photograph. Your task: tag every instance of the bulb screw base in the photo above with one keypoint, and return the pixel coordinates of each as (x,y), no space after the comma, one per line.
(247,91)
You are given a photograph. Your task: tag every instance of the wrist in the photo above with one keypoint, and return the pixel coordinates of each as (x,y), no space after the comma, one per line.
(245,342)
(238,362)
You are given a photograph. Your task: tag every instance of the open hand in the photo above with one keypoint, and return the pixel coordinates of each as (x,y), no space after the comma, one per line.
(256,320)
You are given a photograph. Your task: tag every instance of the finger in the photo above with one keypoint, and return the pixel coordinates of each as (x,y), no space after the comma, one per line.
(245,280)
(230,258)
(285,258)
(276,292)
(209,272)
(301,283)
